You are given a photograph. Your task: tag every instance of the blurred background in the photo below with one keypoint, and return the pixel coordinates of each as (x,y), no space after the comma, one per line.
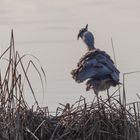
(48,29)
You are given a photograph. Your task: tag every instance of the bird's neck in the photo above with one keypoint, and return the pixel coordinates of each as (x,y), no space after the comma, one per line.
(90,48)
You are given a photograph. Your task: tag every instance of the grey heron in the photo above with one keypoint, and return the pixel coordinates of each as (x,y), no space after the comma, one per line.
(96,66)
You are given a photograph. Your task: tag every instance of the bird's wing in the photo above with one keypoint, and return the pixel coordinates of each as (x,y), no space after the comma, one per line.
(95,65)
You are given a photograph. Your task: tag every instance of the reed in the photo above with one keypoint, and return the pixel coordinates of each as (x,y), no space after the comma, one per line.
(102,119)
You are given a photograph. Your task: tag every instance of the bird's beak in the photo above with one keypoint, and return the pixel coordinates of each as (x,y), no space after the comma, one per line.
(86,27)
(78,36)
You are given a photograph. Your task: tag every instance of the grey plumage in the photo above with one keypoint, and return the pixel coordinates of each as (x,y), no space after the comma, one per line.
(87,37)
(96,67)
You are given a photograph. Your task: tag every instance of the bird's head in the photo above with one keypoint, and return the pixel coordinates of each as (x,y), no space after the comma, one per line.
(82,31)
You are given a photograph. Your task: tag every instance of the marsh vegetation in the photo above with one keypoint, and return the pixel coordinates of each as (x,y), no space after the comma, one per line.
(101,119)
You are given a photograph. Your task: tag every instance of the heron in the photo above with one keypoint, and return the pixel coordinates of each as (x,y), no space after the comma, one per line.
(96,66)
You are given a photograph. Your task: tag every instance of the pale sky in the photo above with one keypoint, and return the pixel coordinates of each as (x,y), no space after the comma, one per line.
(48,29)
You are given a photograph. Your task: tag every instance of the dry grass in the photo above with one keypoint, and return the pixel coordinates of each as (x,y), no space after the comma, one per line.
(102,119)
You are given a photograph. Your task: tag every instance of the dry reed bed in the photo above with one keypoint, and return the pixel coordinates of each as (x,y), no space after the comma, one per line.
(102,119)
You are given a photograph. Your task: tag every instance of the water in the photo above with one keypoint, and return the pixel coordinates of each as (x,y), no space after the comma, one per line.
(48,29)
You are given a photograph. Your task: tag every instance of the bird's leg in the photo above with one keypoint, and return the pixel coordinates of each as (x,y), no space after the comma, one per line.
(97,96)
(108,96)
(109,101)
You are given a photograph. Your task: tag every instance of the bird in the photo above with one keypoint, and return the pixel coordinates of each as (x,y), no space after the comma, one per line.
(96,67)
